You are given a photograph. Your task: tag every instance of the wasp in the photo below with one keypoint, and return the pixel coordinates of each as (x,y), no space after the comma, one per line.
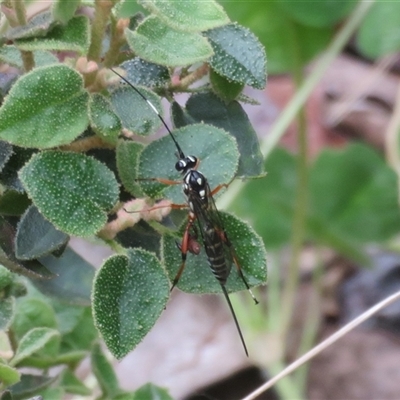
(203,217)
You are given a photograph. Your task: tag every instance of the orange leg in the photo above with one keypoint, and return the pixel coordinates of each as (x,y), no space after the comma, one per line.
(173,206)
(184,248)
(160,180)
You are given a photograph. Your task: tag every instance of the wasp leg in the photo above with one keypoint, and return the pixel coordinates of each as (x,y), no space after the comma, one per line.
(184,248)
(173,206)
(160,180)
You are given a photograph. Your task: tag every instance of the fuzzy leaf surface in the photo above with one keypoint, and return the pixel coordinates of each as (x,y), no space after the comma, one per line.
(238,55)
(216,149)
(103,119)
(208,108)
(197,276)
(32,342)
(135,114)
(74,36)
(71,190)
(189,16)
(129,294)
(156,42)
(45,108)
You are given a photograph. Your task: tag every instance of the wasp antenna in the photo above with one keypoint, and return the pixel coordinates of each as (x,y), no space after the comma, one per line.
(181,154)
(224,291)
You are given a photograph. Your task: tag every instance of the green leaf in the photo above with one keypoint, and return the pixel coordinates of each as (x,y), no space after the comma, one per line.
(32,268)
(6,152)
(11,55)
(73,281)
(135,114)
(197,276)
(51,393)
(7,309)
(37,26)
(63,11)
(103,119)
(129,294)
(320,13)
(72,384)
(189,16)
(127,164)
(6,278)
(379,33)
(34,340)
(13,203)
(216,150)
(8,375)
(151,392)
(36,236)
(30,385)
(281,36)
(141,72)
(140,235)
(354,191)
(74,36)
(353,200)
(74,344)
(156,42)
(206,107)
(32,313)
(71,190)
(238,55)
(104,373)
(9,174)
(224,88)
(45,108)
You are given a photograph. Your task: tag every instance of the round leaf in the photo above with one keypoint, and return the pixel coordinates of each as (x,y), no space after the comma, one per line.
(197,276)
(129,294)
(238,55)
(45,108)
(206,107)
(135,114)
(216,150)
(71,190)
(190,16)
(156,42)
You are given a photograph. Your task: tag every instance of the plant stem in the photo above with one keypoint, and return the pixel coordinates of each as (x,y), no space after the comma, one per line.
(311,324)
(99,25)
(324,344)
(301,200)
(27,56)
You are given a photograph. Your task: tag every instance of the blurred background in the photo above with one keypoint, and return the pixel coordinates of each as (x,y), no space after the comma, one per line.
(328,213)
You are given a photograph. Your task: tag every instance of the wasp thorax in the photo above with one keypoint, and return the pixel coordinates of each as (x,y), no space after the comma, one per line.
(184,164)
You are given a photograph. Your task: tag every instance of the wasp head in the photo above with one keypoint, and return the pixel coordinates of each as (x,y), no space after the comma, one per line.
(186,163)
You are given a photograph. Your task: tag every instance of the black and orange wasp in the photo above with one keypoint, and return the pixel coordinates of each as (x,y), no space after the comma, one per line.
(203,217)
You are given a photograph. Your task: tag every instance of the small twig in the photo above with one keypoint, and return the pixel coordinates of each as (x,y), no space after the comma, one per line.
(322,346)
